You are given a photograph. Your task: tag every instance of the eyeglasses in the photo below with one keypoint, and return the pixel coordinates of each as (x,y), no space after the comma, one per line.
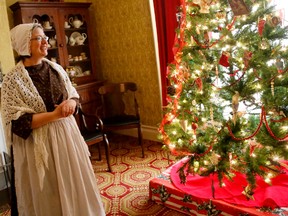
(40,38)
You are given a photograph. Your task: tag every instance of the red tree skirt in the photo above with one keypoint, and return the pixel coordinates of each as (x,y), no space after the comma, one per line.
(265,195)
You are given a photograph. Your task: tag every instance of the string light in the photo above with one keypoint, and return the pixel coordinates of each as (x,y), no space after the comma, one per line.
(276,158)
(255,8)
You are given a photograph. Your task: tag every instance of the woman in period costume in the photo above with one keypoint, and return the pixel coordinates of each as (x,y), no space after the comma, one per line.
(53,173)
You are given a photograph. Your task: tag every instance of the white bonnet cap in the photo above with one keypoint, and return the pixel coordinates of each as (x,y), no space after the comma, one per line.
(20,38)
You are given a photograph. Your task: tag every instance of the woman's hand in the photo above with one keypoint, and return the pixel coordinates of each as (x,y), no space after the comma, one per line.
(66,108)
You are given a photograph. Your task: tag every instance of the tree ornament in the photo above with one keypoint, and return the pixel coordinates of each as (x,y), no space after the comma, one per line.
(184,124)
(212,115)
(279,65)
(171,90)
(224,59)
(238,7)
(235,105)
(206,37)
(247,57)
(264,44)
(193,43)
(273,21)
(197,29)
(261,25)
(221,14)
(199,83)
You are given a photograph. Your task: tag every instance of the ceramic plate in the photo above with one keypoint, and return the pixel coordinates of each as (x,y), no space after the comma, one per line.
(66,38)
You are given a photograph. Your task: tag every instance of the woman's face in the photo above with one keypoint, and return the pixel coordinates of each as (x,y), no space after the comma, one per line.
(39,44)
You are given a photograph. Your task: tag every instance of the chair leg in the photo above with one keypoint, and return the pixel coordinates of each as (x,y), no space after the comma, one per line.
(107,151)
(99,152)
(140,139)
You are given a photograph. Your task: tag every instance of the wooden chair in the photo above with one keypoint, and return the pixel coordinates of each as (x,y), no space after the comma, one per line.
(91,128)
(119,108)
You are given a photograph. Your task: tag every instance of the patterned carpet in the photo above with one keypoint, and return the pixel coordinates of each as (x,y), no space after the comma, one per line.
(125,191)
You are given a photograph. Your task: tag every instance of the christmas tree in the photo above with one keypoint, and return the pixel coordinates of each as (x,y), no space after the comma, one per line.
(228,105)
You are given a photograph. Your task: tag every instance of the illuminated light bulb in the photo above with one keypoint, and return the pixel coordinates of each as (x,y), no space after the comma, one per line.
(206,162)
(178,107)
(170,117)
(172,145)
(180,141)
(253,155)
(239,44)
(214,88)
(280,76)
(258,86)
(270,62)
(243,18)
(223,185)
(267,180)
(269,175)
(204,119)
(286,146)
(197,72)
(175,120)
(233,162)
(184,101)
(201,92)
(188,25)
(174,132)
(194,137)
(255,7)
(275,158)
(284,127)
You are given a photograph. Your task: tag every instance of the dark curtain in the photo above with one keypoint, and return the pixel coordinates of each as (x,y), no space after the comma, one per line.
(166,24)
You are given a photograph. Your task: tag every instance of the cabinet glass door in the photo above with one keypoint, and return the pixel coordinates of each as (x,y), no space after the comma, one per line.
(78,49)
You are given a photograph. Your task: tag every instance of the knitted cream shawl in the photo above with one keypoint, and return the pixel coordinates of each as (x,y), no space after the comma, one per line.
(20,96)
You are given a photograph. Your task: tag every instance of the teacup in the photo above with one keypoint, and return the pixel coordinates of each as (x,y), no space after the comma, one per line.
(46,24)
(66,25)
(72,41)
(52,42)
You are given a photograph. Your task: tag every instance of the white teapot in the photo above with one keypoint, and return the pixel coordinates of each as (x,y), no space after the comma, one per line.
(75,22)
(80,39)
